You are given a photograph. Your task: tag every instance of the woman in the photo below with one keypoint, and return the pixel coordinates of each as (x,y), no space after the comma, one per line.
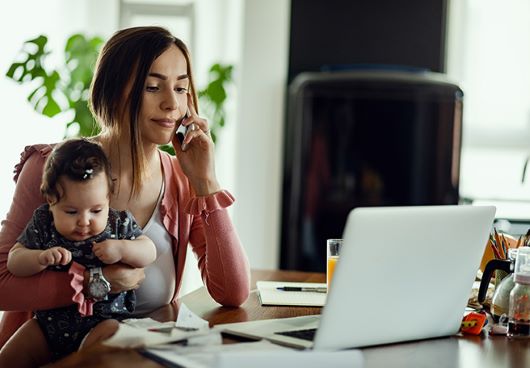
(141,92)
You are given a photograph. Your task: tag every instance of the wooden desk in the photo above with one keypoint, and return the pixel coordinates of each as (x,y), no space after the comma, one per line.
(469,352)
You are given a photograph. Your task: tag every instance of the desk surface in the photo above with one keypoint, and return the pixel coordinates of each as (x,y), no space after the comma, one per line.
(469,352)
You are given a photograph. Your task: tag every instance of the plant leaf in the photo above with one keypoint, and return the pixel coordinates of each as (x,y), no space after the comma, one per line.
(168,148)
(51,108)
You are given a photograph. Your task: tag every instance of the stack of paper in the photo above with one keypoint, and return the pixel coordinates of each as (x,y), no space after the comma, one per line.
(143,332)
(270,293)
(262,354)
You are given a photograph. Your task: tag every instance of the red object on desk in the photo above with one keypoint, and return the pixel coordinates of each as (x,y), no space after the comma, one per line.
(472,323)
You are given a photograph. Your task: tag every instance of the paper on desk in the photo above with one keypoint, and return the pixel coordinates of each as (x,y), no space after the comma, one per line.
(261,354)
(187,319)
(134,333)
(290,358)
(205,355)
(270,295)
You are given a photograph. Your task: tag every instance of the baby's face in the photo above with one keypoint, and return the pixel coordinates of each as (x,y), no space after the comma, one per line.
(83,209)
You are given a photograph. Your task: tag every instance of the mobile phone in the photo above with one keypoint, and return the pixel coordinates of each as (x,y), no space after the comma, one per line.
(182,131)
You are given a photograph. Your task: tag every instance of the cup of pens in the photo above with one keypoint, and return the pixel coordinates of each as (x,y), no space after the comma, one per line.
(333,247)
(500,250)
(502,265)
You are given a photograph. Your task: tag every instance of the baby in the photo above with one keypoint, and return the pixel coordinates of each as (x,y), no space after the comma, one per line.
(76,224)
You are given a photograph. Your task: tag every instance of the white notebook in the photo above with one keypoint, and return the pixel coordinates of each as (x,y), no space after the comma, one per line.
(269,294)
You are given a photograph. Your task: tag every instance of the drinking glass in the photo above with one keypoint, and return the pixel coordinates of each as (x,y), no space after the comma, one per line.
(333,247)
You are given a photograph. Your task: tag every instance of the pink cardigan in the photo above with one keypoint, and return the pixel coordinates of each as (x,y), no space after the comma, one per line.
(201,221)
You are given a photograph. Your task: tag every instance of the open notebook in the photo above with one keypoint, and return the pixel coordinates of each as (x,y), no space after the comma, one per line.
(405,273)
(269,294)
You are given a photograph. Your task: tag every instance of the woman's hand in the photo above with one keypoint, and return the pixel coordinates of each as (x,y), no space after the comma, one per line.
(197,161)
(122,277)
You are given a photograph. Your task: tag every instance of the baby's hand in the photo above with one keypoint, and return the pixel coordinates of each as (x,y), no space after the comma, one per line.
(108,251)
(55,256)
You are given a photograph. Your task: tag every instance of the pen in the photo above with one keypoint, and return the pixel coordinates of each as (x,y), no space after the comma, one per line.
(170,328)
(495,250)
(305,289)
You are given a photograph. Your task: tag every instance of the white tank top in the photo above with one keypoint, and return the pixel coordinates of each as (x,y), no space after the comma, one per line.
(159,284)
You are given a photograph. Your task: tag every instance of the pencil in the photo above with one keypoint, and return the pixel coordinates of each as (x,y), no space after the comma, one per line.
(504,246)
(495,250)
(499,244)
(497,240)
(526,238)
(492,239)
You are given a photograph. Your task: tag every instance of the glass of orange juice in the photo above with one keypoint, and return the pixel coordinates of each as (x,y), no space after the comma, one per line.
(333,247)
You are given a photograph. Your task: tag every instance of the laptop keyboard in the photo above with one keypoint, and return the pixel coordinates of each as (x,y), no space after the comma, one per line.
(308,334)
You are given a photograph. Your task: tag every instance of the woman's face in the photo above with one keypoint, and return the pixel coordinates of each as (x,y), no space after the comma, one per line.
(164,97)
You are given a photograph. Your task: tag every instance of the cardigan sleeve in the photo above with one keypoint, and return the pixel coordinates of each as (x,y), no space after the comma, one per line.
(222,260)
(46,289)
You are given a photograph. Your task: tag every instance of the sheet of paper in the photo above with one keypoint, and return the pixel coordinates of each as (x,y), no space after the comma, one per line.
(133,337)
(261,354)
(135,333)
(187,319)
(205,355)
(147,323)
(290,358)
(270,295)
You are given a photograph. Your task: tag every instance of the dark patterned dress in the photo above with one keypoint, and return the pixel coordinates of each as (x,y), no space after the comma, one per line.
(64,328)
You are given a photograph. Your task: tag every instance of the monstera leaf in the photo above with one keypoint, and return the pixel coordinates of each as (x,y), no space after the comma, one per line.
(62,89)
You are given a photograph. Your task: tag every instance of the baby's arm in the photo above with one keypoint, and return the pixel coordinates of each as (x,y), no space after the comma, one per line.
(137,253)
(23,262)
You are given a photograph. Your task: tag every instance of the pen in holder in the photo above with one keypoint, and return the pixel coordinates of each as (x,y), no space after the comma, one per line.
(503,266)
(500,249)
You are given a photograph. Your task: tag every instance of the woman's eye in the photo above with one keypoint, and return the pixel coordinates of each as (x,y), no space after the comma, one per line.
(181,90)
(151,88)
(96,211)
(70,212)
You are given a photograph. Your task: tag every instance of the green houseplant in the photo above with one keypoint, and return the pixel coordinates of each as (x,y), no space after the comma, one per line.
(62,89)
(65,88)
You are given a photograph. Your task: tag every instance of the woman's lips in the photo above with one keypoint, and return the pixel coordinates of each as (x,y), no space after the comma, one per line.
(166,123)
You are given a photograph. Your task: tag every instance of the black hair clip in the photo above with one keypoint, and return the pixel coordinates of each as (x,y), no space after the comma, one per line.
(88,173)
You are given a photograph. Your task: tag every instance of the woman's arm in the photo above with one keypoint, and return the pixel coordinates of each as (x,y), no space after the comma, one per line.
(222,260)
(48,289)
(121,277)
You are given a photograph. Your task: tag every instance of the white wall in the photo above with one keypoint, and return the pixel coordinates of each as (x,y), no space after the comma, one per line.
(20,21)
(260,128)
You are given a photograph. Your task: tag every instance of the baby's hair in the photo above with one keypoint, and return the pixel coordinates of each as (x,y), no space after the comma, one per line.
(76,159)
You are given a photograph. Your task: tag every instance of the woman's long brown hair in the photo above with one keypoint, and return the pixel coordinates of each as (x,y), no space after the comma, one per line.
(124,62)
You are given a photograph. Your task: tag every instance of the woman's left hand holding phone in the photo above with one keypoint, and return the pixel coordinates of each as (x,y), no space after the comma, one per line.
(197,157)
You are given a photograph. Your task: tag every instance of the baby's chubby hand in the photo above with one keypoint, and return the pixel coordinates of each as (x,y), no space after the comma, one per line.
(55,256)
(108,251)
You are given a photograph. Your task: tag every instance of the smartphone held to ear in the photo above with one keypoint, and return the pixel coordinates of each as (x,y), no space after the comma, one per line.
(181,133)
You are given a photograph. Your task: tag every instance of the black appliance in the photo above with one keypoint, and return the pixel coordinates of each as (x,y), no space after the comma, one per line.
(364,138)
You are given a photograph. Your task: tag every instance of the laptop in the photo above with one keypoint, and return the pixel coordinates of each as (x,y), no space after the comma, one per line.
(405,273)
